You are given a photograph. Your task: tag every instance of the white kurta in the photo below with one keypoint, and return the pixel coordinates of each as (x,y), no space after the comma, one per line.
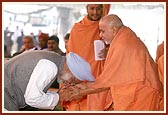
(41,76)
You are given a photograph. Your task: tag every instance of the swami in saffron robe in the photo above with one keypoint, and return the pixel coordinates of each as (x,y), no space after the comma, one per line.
(131,74)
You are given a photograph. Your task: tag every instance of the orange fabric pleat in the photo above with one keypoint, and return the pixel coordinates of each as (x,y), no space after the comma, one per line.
(159,51)
(160,63)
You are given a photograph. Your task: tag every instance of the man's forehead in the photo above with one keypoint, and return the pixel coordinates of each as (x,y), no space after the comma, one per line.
(95,5)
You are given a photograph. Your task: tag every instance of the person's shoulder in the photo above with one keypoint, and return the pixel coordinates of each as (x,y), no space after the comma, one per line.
(76,24)
(79,22)
(161,45)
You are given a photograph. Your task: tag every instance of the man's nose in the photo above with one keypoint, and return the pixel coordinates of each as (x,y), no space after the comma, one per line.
(100,35)
(95,11)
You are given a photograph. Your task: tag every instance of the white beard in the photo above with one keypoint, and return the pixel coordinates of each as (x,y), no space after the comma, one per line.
(65,77)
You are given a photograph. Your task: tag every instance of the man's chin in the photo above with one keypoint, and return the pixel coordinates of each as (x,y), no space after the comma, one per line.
(106,42)
(95,18)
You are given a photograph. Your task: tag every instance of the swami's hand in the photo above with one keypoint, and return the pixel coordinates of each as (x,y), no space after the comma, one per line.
(76,95)
(70,93)
(103,53)
(65,93)
(82,85)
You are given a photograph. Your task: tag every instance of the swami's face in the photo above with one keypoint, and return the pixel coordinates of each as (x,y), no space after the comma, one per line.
(94,11)
(106,32)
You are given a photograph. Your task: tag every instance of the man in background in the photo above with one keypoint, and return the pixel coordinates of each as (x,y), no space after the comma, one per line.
(53,45)
(42,41)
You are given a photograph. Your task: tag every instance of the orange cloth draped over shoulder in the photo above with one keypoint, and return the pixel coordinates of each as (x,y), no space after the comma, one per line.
(160,51)
(131,74)
(81,42)
(160,63)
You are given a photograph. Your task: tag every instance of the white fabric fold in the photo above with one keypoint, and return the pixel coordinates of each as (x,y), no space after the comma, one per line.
(42,75)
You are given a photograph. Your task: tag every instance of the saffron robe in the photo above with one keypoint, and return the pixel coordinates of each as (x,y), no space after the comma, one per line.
(81,42)
(160,63)
(131,74)
(160,51)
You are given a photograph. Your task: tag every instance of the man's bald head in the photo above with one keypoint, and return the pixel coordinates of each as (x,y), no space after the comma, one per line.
(112,20)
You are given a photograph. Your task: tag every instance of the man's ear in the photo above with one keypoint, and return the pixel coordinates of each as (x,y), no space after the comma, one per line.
(115,30)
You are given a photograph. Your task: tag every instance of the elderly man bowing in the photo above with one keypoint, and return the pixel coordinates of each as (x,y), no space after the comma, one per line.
(27,78)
